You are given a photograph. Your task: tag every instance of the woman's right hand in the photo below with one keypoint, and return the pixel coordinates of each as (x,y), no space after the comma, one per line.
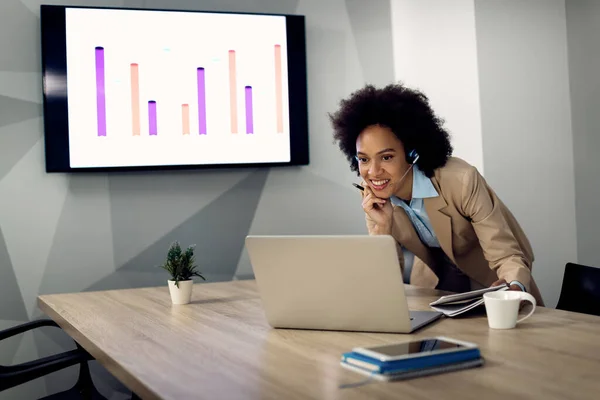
(379,213)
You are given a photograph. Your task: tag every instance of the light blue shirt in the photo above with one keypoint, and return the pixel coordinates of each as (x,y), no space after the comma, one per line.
(422,188)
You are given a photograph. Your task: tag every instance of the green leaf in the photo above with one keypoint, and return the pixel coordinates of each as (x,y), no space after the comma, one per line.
(180,264)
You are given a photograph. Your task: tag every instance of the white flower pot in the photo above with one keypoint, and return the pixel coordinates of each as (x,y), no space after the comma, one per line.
(181,294)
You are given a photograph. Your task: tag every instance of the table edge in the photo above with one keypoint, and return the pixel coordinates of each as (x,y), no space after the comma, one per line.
(118,371)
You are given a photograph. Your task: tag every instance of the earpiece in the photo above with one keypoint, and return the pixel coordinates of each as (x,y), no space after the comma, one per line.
(412,157)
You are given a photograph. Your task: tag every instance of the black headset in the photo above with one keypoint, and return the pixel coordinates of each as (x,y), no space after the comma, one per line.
(412,157)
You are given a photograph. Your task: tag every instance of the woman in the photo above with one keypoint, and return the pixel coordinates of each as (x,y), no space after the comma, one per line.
(452,230)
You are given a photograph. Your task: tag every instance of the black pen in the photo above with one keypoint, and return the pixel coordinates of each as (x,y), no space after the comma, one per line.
(358,186)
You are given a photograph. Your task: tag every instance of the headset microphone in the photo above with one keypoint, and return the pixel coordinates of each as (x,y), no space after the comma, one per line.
(412,158)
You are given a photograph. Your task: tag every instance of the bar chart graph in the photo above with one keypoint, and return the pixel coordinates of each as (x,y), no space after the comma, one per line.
(201,87)
(170,98)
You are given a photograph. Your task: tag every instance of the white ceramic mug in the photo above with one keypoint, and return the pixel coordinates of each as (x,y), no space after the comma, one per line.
(502,308)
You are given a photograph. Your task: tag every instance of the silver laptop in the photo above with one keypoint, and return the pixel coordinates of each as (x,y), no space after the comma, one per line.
(348,283)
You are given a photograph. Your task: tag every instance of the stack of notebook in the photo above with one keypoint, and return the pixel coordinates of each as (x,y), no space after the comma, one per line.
(412,367)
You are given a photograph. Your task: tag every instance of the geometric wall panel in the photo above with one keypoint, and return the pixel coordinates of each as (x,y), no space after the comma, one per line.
(16,140)
(222,224)
(15,110)
(21,85)
(19,26)
(9,346)
(143,208)
(12,306)
(26,351)
(29,216)
(371,23)
(82,249)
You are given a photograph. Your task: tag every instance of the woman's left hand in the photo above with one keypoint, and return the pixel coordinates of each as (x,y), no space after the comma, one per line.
(503,282)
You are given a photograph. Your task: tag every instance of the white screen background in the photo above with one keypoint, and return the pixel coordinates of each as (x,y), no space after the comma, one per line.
(168,47)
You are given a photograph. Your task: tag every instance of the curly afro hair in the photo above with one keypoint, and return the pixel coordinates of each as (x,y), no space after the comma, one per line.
(405,111)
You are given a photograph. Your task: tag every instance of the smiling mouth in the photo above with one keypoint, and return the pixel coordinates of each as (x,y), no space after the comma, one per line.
(379,184)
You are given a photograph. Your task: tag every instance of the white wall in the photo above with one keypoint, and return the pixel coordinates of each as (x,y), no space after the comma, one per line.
(497,72)
(435,51)
(583,32)
(526,125)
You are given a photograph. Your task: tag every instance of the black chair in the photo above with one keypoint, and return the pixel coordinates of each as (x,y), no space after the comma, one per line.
(580,290)
(14,375)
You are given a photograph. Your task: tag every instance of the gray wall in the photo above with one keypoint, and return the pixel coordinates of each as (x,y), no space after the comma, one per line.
(526,125)
(583,32)
(63,233)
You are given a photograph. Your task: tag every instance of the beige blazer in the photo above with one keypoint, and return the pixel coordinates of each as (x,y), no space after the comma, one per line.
(474,228)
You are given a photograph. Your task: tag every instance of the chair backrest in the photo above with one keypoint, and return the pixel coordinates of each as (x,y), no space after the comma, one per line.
(580,290)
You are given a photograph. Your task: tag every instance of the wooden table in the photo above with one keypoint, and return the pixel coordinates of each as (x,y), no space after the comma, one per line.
(220,347)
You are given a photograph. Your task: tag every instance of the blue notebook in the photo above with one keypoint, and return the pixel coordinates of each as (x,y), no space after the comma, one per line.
(410,373)
(390,367)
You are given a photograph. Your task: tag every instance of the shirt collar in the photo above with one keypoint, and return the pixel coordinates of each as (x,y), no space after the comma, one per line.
(422,187)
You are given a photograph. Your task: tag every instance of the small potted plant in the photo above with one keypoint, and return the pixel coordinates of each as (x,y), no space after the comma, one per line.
(180,265)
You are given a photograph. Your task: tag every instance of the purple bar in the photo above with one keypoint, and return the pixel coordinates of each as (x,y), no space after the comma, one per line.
(249,121)
(152,117)
(100,94)
(201,102)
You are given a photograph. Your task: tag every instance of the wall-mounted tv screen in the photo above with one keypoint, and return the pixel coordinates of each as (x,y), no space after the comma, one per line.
(128,89)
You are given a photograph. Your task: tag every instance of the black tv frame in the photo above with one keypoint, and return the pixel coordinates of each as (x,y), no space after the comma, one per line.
(55,101)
